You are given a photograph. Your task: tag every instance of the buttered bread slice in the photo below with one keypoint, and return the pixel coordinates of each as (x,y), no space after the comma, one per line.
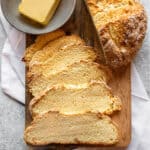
(57,128)
(96,97)
(77,75)
(61,59)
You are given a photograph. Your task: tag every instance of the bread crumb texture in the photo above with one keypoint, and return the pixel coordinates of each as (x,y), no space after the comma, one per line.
(70,91)
(57,128)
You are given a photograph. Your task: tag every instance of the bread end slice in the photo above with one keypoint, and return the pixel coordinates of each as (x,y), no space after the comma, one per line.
(40,42)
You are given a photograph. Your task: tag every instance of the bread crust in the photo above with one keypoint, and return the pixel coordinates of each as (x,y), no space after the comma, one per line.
(122,54)
(120,37)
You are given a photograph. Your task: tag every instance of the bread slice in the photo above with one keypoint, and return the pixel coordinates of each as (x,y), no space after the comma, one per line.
(121,25)
(61,59)
(78,74)
(54,46)
(57,128)
(40,42)
(96,97)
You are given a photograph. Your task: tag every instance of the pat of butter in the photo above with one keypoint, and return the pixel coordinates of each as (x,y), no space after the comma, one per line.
(40,11)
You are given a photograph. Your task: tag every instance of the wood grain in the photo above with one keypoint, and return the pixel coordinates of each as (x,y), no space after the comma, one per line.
(81,23)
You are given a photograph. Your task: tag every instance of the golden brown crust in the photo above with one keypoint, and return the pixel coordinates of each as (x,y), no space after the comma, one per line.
(121,29)
(131,34)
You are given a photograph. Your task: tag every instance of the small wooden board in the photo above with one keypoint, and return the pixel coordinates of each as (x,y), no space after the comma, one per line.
(81,23)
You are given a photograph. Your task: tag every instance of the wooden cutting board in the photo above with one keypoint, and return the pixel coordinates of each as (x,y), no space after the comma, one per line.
(81,23)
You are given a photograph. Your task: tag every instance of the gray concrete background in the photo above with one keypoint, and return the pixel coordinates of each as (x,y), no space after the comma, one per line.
(12,116)
(12,113)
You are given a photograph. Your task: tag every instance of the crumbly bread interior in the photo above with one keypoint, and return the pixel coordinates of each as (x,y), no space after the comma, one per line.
(70,92)
(95,97)
(40,42)
(63,58)
(57,128)
(55,46)
(77,75)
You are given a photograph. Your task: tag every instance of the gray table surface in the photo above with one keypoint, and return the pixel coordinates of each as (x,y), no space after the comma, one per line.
(12,116)
(12,113)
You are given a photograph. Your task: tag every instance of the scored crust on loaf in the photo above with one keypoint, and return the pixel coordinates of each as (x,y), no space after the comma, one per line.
(40,42)
(96,97)
(53,46)
(56,128)
(61,59)
(77,75)
(121,25)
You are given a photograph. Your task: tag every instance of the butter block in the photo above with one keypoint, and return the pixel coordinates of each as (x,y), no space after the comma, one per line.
(40,11)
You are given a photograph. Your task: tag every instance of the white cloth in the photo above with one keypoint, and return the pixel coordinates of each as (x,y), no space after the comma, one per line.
(13,84)
(12,68)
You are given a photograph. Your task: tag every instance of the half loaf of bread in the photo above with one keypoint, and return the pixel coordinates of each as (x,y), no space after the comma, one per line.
(121,25)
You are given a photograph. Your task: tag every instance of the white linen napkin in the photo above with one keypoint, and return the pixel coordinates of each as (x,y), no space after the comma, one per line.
(13,84)
(12,68)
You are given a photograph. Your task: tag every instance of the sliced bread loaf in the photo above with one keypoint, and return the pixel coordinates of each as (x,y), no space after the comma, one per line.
(57,128)
(77,75)
(96,97)
(40,42)
(61,59)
